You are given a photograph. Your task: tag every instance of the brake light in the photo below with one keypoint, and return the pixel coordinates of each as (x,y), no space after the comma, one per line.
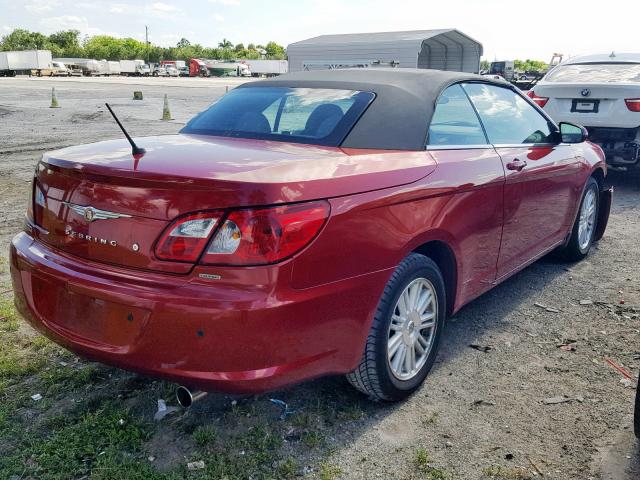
(633,104)
(540,101)
(30,214)
(186,237)
(266,235)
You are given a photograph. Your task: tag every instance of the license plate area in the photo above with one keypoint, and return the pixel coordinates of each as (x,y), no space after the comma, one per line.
(102,322)
(584,106)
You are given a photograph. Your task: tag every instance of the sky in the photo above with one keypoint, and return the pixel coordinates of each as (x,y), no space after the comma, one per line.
(508,29)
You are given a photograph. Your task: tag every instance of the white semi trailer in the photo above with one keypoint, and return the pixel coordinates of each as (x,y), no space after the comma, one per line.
(113,67)
(267,68)
(24,62)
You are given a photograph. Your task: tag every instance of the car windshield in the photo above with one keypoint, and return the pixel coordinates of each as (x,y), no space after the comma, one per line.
(595,72)
(316,116)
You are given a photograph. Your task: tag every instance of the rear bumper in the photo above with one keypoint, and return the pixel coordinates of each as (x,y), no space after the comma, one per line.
(249,333)
(621,146)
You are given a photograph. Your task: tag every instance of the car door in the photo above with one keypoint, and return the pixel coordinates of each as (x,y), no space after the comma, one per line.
(540,173)
(475,177)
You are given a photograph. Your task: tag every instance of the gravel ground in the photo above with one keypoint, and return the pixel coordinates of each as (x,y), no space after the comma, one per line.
(481,414)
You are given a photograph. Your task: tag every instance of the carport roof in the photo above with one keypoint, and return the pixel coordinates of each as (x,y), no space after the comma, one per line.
(412,36)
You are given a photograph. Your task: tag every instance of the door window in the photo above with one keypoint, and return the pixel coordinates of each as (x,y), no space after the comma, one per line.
(507,117)
(454,121)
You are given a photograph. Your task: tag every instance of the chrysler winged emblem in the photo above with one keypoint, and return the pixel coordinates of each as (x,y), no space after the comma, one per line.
(92,214)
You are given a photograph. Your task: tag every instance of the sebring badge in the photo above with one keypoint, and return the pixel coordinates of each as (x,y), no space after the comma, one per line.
(89,238)
(91,214)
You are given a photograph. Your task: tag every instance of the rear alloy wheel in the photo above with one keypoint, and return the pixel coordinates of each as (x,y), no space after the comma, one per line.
(412,329)
(584,227)
(403,341)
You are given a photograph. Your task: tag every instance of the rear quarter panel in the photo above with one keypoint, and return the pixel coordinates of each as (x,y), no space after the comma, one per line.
(460,203)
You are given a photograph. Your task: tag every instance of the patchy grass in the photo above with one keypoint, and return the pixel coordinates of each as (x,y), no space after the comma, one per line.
(75,445)
(422,462)
(329,471)
(312,439)
(430,419)
(498,472)
(288,468)
(204,435)
(422,459)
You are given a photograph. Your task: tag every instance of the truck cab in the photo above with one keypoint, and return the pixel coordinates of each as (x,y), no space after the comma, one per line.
(504,68)
(197,68)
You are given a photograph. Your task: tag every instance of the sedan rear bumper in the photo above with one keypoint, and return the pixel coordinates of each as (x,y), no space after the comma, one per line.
(233,336)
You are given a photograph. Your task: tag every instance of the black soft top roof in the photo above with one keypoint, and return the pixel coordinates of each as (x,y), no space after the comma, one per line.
(405,99)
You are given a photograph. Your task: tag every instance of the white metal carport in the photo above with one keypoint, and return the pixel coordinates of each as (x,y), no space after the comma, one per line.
(445,49)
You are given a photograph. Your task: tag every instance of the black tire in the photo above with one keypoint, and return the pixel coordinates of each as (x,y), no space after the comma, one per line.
(373,376)
(636,415)
(573,252)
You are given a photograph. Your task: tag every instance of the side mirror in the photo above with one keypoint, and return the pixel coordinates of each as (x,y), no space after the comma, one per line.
(570,133)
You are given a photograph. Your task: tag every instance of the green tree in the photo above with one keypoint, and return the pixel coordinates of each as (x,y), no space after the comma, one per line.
(67,39)
(529,65)
(183,43)
(104,47)
(275,51)
(67,43)
(21,39)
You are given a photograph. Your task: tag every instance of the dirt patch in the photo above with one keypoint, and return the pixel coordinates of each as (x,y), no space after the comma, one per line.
(86,117)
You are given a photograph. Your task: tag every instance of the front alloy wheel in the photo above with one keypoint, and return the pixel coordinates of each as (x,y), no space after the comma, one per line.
(584,228)
(587,218)
(403,340)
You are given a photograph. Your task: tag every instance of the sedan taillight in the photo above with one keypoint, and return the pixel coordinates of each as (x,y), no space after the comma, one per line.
(30,214)
(540,101)
(246,237)
(266,235)
(633,104)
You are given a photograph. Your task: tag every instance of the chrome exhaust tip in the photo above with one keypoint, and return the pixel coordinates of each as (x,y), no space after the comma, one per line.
(186,397)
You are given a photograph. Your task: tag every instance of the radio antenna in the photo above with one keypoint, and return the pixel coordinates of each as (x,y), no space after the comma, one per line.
(135,150)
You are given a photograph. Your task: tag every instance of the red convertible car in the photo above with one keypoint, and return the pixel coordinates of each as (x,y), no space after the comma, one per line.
(318,223)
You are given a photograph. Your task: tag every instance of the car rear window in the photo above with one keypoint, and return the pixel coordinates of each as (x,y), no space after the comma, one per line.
(595,72)
(318,116)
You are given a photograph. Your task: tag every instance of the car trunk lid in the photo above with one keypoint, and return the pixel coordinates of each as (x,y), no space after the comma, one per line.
(100,203)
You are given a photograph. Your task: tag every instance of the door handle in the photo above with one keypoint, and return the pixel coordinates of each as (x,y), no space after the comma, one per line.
(516,164)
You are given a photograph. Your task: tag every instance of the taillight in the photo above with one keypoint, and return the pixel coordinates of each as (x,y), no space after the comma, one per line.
(633,104)
(30,214)
(266,235)
(186,237)
(541,101)
(37,203)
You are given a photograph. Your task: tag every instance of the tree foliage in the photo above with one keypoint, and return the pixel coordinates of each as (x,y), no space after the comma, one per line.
(68,43)
(530,65)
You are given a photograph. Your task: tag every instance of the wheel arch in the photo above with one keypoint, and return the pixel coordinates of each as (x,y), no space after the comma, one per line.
(599,175)
(604,210)
(444,256)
